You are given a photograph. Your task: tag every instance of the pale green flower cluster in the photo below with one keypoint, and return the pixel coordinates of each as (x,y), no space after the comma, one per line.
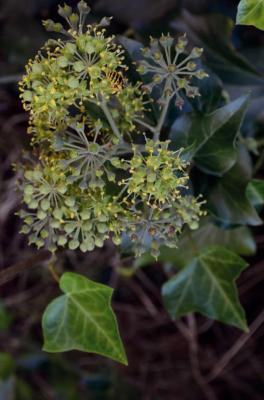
(96,175)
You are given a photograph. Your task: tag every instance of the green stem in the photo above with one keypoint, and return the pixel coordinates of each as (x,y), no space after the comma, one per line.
(146,125)
(161,119)
(110,119)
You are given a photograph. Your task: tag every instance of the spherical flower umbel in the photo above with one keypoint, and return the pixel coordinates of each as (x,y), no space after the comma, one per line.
(171,68)
(157,175)
(60,214)
(67,76)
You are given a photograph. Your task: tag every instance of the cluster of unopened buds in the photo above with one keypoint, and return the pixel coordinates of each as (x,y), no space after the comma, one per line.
(95,172)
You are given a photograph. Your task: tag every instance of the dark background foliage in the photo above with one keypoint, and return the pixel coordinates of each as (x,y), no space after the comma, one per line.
(210,361)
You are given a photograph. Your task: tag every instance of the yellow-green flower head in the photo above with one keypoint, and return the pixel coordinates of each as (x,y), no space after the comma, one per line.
(150,228)
(157,174)
(59,214)
(67,73)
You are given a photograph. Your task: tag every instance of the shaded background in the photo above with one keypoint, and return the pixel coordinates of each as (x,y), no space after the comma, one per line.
(166,362)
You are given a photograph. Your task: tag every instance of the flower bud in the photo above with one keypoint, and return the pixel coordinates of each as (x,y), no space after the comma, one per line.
(154,43)
(196,52)
(141,69)
(192,92)
(190,66)
(83,7)
(156,78)
(74,244)
(181,83)
(74,18)
(181,43)
(201,74)
(105,22)
(179,102)
(51,26)
(62,240)
(65,11)
(157,55)
(166,40)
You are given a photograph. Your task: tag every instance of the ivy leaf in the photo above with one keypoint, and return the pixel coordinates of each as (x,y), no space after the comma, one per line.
(228,201)
(206,285)
(211,93)
(210,138)
(255,192)
(251,12)
(82,319)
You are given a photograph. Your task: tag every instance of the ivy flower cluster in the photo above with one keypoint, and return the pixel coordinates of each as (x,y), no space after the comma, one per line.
(96,174)
(171,69)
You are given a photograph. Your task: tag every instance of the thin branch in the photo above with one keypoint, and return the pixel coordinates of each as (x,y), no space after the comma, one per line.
(10,273)
(194,359)
(161,119)
(230,354)
(146,125)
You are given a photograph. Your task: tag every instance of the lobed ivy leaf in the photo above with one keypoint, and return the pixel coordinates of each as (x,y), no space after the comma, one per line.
(251,12)
(206,285)
(82,319)
(209,139)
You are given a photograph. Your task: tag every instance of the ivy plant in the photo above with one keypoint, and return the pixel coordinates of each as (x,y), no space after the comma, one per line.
(140,146)
(251,12)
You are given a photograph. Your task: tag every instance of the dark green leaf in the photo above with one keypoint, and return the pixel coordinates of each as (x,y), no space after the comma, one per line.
(213,33)
(82,319)
(228,201)
(210,139)
(251,12)
(206,285)
(211,91)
